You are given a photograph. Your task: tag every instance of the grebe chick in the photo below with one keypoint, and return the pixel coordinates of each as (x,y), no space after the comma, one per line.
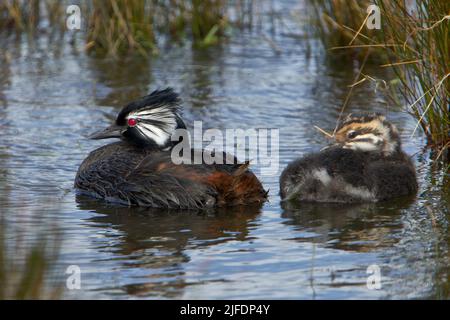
(366,164)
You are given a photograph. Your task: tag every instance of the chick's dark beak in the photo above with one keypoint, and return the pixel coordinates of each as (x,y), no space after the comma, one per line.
(113,131)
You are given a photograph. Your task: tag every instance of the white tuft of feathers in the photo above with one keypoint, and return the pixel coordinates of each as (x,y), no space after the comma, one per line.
(156,124)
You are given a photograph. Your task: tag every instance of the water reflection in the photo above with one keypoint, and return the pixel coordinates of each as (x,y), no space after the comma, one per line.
(204,68)
(117,82)
(152,243)
(5,81)
(355,227)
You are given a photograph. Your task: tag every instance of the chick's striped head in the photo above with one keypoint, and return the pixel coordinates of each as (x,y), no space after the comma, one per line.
(370,133)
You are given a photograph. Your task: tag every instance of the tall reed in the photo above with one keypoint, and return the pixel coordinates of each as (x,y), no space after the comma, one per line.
(19,15)
(336,22)
(417,38)
(413,40)
(120,26)
(208,19)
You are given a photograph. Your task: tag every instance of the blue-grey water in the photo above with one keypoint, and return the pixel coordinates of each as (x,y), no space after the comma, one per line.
(52,96)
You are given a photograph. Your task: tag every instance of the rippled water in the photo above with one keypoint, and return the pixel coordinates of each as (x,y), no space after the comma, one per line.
(51,98)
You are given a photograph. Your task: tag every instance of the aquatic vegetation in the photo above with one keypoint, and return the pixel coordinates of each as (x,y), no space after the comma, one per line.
(30,16)
(418,46)
(335,23)
(413,40)
(119,27)
(15,14)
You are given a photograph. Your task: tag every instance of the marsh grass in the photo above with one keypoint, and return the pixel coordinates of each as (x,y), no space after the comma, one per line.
(208,20)
(120,26)
(123,27)
(336,22)
(413,41)
(15,14)
(420,57)
(28,15)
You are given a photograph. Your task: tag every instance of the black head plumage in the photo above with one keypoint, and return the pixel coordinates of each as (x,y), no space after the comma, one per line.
(166,98)
(149,121)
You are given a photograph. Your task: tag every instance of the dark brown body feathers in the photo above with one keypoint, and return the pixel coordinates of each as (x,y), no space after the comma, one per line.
(354,176)
(127,174)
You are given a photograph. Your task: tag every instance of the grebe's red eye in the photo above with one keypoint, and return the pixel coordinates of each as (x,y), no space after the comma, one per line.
(132,122)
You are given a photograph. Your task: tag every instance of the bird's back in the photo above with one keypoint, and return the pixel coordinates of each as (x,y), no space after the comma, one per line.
(344,175)
(121,172)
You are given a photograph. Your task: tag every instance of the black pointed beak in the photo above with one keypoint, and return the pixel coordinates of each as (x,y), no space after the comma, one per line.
(113,131)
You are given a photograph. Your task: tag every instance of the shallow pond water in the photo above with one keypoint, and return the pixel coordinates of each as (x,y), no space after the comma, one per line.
(50,99)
